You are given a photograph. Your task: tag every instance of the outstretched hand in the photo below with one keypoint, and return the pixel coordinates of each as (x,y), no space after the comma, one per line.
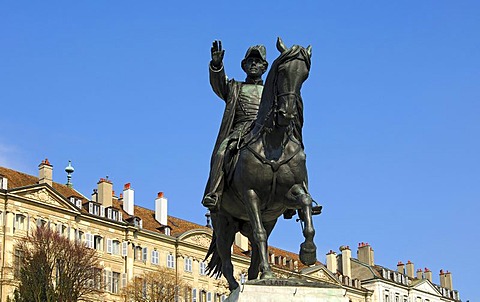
(217,53)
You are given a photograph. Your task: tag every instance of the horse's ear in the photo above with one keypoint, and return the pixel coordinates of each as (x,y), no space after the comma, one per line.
(280,46)
(309,50)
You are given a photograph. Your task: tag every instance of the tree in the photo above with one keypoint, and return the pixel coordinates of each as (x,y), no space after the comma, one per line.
(53,268)
(160,285)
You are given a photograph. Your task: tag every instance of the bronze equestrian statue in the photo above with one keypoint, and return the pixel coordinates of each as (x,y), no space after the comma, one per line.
(265,173)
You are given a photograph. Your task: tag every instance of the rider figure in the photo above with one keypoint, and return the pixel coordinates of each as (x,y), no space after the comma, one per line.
(242,100)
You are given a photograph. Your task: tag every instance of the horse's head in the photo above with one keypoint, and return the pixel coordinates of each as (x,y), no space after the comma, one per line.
(292,70)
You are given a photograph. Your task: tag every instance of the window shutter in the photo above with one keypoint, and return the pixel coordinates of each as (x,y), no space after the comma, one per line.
(109,213)
(109,246)
(28,223)
(110,281)
(144,254)
(120,216)
(124,248)
(124,279)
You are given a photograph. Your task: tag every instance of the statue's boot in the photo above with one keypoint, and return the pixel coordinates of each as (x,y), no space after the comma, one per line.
(210,201)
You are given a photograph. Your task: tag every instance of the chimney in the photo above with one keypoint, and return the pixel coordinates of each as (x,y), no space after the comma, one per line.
(401,267)
(128,199)
(45,172)
(3,182)
(332,262)
(365,253)
(241,241)
(442,278)
(410,269)
(105,192)
(346,265)
(161,208)
(448,280)
(428,274)
(419,274)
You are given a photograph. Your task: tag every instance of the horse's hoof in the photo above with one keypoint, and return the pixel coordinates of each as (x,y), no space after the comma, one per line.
(267,275)
(308,253)
(233,286)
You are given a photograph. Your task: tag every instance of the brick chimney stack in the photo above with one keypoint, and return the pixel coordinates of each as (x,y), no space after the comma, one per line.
(442,278)
(401,267)
(419,274)
(241,241)
(448,280)
(332,261)
(428,274)
(161,209)
(346,265)
(105,192)
(410,269)
(365,253)
(45,172)
(128,199)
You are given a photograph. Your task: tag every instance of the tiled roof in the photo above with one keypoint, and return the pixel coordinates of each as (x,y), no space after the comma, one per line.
(177,226)
(18,179)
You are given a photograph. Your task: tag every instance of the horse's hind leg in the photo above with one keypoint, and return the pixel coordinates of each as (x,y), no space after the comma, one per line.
(228,229)
(308,250)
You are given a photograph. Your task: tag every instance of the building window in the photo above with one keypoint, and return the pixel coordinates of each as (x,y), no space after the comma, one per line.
(194,295)
(209,297)
(203,268)
(115,282)
(79,235)
(167,231)
(18,262)
(137,253)
(188,264)
(89,240)
(97,278)
(155,257)
(97,242)
(113,247)
(170,261)
(20,222)
(116,247)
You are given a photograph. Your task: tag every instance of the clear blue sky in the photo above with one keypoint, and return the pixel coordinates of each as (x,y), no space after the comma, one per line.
(392,109)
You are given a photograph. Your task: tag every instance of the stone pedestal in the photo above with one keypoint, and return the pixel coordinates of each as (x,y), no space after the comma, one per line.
(287,290)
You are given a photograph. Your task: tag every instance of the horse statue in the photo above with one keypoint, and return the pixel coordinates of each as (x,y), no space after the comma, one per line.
(270,176)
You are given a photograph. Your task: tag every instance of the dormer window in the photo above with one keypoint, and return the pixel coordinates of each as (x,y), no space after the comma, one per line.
(167,231)
(114,214)
(137,222)
(94,208)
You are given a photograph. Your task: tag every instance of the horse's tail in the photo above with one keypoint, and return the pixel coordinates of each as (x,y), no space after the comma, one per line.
(214,267)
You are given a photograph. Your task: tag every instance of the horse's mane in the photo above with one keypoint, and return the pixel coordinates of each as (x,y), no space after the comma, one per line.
(265,116)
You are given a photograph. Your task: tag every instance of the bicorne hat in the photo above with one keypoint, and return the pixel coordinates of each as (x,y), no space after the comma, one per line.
(257,51)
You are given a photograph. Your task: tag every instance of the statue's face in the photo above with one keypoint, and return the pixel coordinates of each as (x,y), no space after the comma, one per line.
(254,67)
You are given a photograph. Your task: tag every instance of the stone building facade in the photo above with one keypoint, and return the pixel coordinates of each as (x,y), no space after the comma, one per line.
(131,240)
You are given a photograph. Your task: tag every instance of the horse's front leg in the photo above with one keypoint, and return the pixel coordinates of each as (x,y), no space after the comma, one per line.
(259,234)
(302,199)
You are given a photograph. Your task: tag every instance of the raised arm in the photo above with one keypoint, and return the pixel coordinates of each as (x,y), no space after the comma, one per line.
(218,79)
